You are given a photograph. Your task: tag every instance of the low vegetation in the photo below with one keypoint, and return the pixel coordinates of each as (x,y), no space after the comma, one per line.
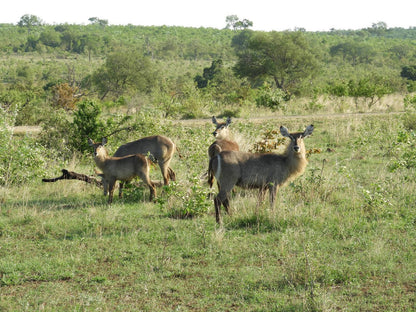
(342,236)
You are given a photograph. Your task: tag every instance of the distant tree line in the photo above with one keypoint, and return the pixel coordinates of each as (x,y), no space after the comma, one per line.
(178,67)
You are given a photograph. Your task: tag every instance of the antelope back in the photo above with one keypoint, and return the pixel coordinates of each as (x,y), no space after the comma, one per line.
(159,147)
(222,145)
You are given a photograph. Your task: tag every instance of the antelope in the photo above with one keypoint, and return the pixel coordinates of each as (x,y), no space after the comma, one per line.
(121,168)
(263,171)
(159,148)
(223,142)
(223,139)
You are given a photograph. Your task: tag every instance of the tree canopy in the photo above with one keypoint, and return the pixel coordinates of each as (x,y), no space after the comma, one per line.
(124,70)
(235,23)
(286,57)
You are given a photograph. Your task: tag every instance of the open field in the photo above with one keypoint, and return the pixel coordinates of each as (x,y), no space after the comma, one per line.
(341,238)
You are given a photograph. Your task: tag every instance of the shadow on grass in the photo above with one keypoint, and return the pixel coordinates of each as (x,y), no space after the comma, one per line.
(258,224)
(53,203)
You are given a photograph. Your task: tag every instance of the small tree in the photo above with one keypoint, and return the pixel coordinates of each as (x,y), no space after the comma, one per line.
(90,43)
(20,159)
(29,21)
(371,89)
(409,72)
(50,38)
(86,124)
(236,24)
(208,74)
(271,98)
(285,57)
(124,70)
(97,21)
(64,96)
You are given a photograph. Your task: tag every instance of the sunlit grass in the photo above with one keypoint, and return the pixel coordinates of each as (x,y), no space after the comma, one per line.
(341,237)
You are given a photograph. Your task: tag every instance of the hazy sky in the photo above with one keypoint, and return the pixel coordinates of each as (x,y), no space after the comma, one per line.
(266,15)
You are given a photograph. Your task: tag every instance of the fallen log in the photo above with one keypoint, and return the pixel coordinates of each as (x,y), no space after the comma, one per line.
(70,175)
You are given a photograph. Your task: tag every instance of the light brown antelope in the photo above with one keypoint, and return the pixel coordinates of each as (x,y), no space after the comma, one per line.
(121,168)
(223,142)
(223,138)
(159,148)
(263,171)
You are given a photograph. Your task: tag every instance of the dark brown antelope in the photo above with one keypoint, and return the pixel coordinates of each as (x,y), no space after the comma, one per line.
(263,171)
(121,168)
(223,142)
(159,148)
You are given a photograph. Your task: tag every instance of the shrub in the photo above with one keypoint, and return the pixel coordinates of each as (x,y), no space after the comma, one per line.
(66,137)
(269,97)
(20,159)
(64,96)
(371,89)
(178,203)
(409,119)
(405,150)
(86,124)
(56,133)
(409,72)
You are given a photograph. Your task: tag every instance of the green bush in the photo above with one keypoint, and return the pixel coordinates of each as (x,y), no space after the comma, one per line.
(178,203)
(21,159)
(269,97)
(409,119)
(56,133)
(405,151)
(86,124)
(66,137)
(371,88)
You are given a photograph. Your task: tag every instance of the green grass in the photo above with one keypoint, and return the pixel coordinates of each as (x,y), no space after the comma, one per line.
(342,237)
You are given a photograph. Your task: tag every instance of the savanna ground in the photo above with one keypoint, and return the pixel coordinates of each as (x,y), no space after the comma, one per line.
(341,238)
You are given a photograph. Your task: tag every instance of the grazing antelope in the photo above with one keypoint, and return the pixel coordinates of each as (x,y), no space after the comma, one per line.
(121,168)
(223,142)
(263,171)
(159,148)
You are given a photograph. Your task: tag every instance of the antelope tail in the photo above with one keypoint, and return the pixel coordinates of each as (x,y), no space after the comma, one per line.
(211,173)
(218,171)
(179,153)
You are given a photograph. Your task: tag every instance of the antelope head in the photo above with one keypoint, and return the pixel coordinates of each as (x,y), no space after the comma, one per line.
(296,139)
(99,148)
(221,130)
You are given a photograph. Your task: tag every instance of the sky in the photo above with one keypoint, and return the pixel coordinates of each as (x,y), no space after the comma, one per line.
(266,15)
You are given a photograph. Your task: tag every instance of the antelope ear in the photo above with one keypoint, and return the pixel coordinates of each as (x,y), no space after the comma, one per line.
(284,131)
(214,120)
(90,142)
(308,131)
(228,121)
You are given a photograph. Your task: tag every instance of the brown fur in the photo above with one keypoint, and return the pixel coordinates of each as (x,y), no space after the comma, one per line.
(159,148)
(263,171)
(223,142)
(121,168)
